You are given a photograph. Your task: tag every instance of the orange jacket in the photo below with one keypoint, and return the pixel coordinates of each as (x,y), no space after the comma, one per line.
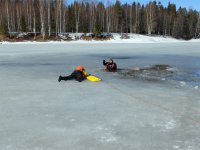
(82,69)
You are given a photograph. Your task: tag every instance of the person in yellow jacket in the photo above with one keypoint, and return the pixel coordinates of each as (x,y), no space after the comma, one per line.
(78,74)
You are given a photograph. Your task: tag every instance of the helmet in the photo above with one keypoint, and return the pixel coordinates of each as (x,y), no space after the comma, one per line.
(80,68)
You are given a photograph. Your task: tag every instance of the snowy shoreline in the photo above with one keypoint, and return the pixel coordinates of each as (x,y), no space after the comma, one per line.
(134,38)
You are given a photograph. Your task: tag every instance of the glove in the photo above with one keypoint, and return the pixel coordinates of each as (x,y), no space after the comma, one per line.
(104,62)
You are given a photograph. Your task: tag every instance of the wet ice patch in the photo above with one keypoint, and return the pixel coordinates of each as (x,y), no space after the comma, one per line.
(72,120)
(170,125)
(176,147)
(106,135)
(166,125)
(56,129)
(197,73)
(182,83)
(38,148)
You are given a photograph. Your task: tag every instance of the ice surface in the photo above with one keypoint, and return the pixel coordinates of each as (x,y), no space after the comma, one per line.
(119,113)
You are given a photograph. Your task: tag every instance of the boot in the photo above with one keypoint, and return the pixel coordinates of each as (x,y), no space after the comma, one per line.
(59,79)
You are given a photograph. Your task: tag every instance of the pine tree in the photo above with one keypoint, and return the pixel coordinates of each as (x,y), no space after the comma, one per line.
(3,29)
(22,24)
(197,30)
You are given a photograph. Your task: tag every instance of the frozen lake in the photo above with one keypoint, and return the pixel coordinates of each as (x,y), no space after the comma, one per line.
(136,108)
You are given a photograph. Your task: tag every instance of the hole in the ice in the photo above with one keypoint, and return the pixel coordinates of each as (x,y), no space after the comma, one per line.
(156,72)
(161,72)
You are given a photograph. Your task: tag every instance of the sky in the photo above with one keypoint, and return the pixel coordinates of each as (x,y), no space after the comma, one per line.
(194,4)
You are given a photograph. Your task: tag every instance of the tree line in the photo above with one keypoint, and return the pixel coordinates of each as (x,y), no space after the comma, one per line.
(49,17)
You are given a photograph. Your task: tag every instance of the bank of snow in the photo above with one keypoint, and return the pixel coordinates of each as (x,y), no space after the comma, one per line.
(133,38)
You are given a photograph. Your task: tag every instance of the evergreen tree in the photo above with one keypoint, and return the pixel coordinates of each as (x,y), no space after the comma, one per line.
(22,24)
(97,30)
(3,29)
(117,16)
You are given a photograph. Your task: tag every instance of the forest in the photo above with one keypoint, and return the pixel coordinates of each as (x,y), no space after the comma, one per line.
(53,17)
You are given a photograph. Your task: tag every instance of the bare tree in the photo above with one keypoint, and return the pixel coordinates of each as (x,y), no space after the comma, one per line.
(18,10)
(7,6)
(49,17)
(64,17)
(136,18)
(12,16)
(151,17)
(42,7)
(108,16)
(28,14)
(92,15)
(34,19)
(59,16)
(77,13)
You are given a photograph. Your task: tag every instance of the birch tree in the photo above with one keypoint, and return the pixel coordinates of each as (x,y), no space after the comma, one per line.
(64,17)
(136,18)
(108,16)
(18,13)
(92,15)
(42,7)
(7,6)
(77,13)
(34,19)
(151,17)
(28,12)
(60,14)
(49,17)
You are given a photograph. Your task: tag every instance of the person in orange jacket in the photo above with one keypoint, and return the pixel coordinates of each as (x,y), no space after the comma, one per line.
(110,65)
(79,74)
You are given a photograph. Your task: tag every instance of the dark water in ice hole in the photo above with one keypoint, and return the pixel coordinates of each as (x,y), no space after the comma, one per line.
(184,70)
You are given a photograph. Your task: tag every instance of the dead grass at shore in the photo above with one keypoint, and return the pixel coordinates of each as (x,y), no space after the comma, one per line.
(39,38)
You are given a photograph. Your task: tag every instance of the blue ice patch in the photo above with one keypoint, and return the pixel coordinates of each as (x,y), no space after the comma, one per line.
(197,72)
